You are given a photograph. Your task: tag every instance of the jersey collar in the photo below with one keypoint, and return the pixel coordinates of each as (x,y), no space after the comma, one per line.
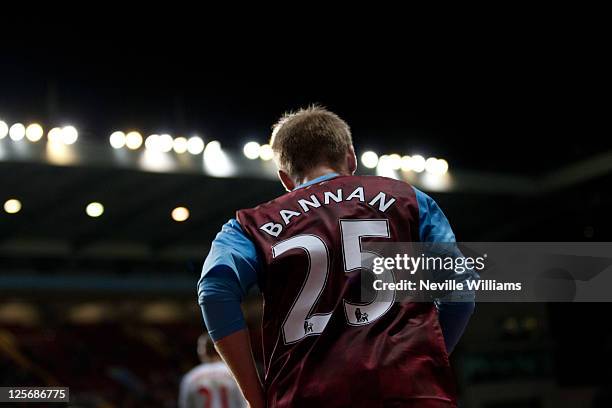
(317,180)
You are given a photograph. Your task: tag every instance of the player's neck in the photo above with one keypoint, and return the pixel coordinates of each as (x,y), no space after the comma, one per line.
(316,173)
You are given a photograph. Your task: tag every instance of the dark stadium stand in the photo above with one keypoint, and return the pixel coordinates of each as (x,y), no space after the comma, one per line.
(107,360)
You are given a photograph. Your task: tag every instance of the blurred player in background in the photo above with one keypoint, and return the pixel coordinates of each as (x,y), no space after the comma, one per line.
(322,345)
(209,385)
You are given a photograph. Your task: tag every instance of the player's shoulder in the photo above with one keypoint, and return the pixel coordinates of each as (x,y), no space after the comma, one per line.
(204,370)
(189,376)
(194,372)
(390,185)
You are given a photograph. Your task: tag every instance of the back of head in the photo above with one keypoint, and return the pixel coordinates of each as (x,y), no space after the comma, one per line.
(308,138)
(206,348)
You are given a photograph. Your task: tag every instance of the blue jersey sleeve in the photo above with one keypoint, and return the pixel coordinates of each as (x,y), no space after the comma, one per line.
(230,271)
(434,227)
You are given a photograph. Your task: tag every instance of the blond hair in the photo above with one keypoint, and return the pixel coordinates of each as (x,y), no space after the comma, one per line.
(309,137)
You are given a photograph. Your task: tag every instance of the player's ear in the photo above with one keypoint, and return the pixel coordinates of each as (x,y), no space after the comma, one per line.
(286,180)
(351,160)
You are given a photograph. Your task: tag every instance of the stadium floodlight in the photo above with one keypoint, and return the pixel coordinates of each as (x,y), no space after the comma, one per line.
(437,167)
(133,140)
(94,209)
(180,214)
(442,166)
(418,163)
(251,150)
(152,143)
(215,161)
(34,132)
(265,152)
(383,162)
(69,135)
(3,129)
(431,165)
(180,145)
(55,135)
(195,145)
(12,206)
(436,182)
(395,161)
(387,165)
(212,148)
(369,159)
(165,143)
(406,163)
(117,140)
(17,131)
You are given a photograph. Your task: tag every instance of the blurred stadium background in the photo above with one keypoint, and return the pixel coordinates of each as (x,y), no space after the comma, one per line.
(104,227)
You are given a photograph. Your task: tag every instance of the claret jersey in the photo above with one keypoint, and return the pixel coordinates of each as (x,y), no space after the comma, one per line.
(322,347)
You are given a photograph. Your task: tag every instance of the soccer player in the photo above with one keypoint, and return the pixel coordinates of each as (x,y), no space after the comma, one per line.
(322,346)
(209,385)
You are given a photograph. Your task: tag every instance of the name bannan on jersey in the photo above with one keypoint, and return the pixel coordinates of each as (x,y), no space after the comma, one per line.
(380,201)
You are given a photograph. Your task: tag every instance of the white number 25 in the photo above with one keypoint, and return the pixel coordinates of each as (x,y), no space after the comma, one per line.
(300,321)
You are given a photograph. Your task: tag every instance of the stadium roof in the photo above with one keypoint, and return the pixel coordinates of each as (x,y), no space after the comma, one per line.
(139,192)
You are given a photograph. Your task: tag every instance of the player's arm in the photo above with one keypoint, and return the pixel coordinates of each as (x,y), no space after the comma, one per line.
(229,271)
(453,315)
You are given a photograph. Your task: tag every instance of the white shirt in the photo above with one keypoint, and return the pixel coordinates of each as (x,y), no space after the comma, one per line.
(210,385)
